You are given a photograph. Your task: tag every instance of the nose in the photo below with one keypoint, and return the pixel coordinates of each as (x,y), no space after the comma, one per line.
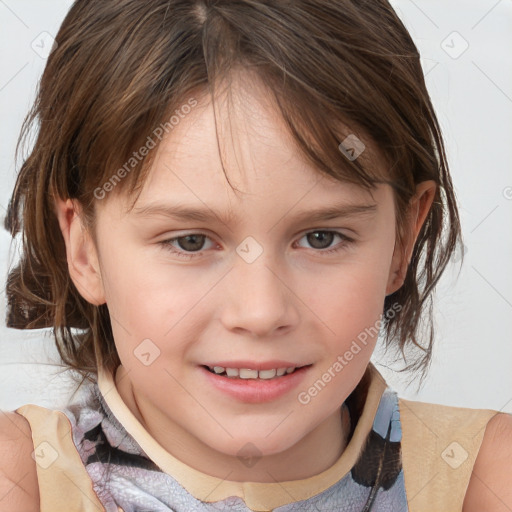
(257,299)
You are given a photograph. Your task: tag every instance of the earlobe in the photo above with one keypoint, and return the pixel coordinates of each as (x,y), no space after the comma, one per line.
(81,252)
(419,207)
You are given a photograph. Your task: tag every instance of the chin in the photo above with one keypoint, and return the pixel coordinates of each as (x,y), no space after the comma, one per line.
(255,446)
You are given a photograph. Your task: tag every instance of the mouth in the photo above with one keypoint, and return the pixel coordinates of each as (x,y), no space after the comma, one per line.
(254,386)
(248,374)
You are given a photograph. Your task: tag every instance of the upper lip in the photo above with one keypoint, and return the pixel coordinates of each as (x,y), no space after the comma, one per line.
(254,365)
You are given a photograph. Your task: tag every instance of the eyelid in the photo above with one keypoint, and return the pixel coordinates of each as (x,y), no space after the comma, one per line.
(345,241)
(339,230)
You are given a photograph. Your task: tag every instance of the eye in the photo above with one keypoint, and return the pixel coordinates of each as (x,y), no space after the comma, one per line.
(323,239)
(189,244)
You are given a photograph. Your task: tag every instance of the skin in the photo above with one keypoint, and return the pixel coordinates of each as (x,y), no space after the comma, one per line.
(240,314)
(490,484)
(294,302)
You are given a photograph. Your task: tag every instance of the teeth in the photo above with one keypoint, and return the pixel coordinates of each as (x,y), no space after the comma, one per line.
(245,373)
(267,374)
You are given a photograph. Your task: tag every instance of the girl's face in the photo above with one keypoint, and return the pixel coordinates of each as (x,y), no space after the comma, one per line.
(198,275)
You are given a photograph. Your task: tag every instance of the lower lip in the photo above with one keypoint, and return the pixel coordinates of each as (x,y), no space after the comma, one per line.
(256,390)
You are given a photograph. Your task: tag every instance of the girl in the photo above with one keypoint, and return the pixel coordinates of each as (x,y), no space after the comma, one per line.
(225,205)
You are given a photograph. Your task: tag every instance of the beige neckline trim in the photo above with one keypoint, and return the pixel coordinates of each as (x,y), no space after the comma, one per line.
(258,496)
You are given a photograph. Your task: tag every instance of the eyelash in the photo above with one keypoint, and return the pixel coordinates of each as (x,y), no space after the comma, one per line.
(166,244)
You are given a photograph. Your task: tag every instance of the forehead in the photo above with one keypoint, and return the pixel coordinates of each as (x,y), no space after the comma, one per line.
(244,133)
(241,137)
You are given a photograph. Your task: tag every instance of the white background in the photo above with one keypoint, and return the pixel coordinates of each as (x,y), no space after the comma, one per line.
(471,89)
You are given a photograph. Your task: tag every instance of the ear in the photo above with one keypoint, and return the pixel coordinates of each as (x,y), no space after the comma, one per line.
(81,252)
(419,206)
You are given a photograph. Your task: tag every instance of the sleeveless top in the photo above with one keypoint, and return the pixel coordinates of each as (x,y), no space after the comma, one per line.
(401,455)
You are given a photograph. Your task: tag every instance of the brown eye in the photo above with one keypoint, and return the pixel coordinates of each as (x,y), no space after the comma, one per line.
(320,239)
(191,242)
(323,239)
(187,246)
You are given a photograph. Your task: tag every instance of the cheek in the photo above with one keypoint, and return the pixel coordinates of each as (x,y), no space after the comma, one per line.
(357,286)
(349,299)
(150,299)
(130,296)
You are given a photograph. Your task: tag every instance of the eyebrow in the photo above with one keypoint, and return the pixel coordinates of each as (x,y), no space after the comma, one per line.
(204,214)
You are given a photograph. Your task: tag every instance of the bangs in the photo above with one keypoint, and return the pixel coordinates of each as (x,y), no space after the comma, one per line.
(344,77)
(332,144)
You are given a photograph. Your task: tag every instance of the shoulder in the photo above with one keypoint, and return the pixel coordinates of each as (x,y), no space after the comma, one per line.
(18,477)
(490,486)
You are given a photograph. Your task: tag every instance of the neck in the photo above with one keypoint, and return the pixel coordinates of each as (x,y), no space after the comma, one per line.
(315,453)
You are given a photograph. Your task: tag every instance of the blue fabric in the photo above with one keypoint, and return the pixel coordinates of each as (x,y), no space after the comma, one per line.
(124,476)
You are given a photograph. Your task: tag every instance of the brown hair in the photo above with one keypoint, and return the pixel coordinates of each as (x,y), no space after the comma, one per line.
(121,68)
